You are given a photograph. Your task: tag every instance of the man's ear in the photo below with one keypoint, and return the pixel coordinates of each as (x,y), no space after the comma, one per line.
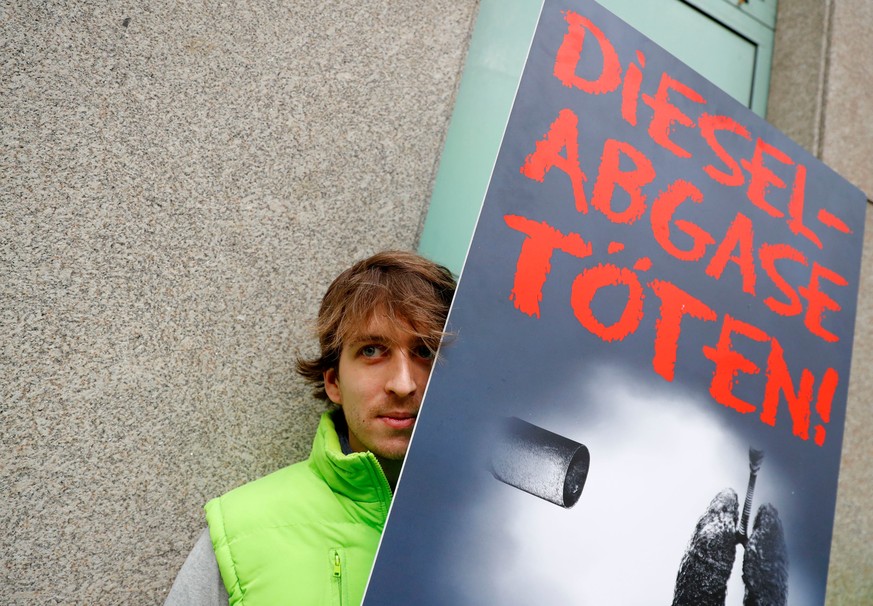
(331,386)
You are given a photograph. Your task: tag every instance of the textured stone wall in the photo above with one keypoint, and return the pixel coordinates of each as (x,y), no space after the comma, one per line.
(847,145)
(179,181)
(822,95)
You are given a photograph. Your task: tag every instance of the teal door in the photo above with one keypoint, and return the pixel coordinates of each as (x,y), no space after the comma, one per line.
(728,43)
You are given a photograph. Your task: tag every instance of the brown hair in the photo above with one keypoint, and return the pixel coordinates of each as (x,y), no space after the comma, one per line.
(402,285)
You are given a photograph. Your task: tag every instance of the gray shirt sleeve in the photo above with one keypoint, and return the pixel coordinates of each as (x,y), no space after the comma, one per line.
(199,581)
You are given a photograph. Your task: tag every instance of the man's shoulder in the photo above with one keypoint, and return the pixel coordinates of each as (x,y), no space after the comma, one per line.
(284,479)
(289,486)
(315,491)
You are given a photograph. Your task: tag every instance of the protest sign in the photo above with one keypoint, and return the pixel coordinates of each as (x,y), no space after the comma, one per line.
(644,385)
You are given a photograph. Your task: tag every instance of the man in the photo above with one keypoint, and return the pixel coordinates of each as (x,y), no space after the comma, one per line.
(307,534)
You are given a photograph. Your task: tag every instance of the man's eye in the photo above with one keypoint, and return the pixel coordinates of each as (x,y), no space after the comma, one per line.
(424,352)
(371,351)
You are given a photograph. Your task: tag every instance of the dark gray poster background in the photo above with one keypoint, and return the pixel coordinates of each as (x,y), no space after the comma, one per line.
(660,450)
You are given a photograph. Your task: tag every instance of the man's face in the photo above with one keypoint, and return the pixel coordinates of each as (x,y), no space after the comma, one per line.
(383,370)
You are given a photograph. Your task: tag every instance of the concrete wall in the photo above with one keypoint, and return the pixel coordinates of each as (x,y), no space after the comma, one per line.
(822,95)
(179,181)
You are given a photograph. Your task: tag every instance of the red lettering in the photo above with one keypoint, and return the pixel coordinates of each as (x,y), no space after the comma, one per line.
(769,254)
(534,261)
(589,282)
(800,401)
(819,302)
(739,236)
(779,381)
(675,305)
(828,219)
(709,125)
(570,52)
(728,363)
(761,177)
(630,92)
(795,207)
(563,133)
(823,403)
(631,181)
(664,207)
(666,114)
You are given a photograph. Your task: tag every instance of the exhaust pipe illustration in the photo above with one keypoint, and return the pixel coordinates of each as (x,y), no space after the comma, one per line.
(540,462)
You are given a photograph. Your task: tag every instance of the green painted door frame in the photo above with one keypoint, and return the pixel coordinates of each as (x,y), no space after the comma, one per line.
(730,44)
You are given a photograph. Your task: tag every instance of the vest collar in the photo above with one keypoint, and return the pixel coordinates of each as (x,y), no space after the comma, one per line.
(357,476)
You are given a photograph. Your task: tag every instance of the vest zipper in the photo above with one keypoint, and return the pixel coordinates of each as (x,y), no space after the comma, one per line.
(337,576)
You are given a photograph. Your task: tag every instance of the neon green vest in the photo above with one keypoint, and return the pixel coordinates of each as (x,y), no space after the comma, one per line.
(305,535)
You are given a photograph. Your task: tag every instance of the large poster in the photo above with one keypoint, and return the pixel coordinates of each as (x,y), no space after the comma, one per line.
(642,396)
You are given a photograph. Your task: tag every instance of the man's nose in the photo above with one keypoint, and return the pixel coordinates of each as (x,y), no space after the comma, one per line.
(402,380)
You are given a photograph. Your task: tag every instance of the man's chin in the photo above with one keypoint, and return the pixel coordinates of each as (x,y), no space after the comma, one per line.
(391,453)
